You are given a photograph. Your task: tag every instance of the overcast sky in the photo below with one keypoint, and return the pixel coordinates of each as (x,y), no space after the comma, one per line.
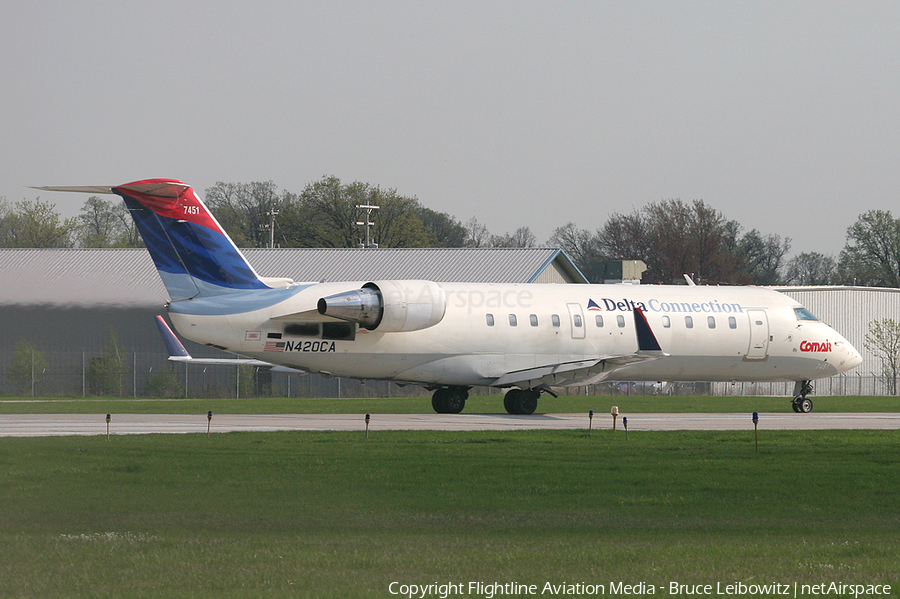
(784,116)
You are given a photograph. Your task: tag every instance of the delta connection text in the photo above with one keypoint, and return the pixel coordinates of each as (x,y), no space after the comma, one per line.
(491,590)
(655,305)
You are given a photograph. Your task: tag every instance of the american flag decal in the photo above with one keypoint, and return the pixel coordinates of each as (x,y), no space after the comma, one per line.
(274,346)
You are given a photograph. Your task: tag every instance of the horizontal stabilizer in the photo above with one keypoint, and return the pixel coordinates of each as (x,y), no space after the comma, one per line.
(178,353)
(102,189)
(173,345)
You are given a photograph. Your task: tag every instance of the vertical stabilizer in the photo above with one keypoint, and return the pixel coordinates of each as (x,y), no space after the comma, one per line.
(194,255)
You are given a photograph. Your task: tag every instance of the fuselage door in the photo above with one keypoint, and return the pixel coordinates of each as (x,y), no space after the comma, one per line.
(576,318)
(759,335)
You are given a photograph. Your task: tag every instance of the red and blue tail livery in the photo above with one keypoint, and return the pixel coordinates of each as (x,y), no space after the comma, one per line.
(194,255)
(192,252)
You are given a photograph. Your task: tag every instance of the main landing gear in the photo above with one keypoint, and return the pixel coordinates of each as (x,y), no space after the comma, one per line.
(801,403)
(449,400)
(521,401)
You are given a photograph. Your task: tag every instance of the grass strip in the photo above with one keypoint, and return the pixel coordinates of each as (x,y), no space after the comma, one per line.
(331,514)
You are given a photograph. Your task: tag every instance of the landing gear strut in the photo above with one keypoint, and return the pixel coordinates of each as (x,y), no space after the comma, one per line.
(449,400)
(801,403)
(521,401)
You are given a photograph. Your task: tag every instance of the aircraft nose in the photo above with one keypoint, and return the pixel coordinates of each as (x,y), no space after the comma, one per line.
(853,358)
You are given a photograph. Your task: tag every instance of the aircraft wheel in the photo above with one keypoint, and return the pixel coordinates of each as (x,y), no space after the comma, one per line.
(796,405)
(521,401)
(529,401)
(510,401)
(449,401)
(439,402)
(455,401)
(805,405)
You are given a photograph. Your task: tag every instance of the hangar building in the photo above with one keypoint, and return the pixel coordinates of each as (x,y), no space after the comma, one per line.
(70,304)
(84,309)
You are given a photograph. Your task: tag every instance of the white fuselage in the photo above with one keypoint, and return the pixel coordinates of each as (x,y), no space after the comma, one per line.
(489,331)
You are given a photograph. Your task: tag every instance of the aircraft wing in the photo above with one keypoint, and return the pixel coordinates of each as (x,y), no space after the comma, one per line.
(589,370)
(178,353)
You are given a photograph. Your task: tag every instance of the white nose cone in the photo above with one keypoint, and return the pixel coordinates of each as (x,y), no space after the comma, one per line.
(849,357)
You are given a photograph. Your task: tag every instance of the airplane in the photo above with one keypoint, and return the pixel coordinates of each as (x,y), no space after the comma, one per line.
(449,337)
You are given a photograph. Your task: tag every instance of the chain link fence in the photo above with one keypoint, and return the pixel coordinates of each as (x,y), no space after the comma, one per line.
(151,375)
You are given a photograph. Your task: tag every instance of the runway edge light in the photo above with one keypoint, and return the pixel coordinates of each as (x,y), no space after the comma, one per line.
(756,429)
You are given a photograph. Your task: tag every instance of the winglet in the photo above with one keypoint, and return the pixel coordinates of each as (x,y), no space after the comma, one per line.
(173,345)
(646,339)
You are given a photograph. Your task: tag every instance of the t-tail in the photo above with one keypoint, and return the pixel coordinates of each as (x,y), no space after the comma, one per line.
(193,253)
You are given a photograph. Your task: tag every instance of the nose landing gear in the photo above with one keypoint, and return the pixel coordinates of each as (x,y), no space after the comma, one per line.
(801,403)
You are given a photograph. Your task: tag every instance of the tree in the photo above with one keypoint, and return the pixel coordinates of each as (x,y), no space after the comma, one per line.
(883,340)
(581,247)
(522,238)
(811,268)
(243,209)
(477,234)
(674,238)
(106,224)
(27,368)
(442,229)
(763,256)
(871,255)
(326,214)
(105,374)
(36,225)
(397,223)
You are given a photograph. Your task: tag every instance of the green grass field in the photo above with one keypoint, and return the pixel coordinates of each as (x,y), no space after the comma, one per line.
(336,515)
(478,404)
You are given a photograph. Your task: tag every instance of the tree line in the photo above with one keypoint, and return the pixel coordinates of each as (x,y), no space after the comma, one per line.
(671,236)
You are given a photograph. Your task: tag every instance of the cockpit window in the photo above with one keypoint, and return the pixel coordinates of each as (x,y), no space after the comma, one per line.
(804,314)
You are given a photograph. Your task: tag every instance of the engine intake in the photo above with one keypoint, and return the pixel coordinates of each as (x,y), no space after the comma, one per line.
(389,306)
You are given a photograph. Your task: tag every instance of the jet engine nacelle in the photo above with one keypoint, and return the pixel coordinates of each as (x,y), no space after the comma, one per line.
(389,306)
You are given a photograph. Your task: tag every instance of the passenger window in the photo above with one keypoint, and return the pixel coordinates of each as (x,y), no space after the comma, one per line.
(689,322)
(711,321)
(512,320)
(577,320)
(620,320)
(555,319)
(732,322)
(666,322)
(599,319)
(490,319)
(534,320)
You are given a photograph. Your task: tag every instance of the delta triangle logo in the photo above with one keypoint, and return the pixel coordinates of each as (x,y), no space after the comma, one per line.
(593,306)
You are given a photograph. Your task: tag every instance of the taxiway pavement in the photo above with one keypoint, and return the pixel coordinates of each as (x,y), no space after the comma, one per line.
(38,425)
